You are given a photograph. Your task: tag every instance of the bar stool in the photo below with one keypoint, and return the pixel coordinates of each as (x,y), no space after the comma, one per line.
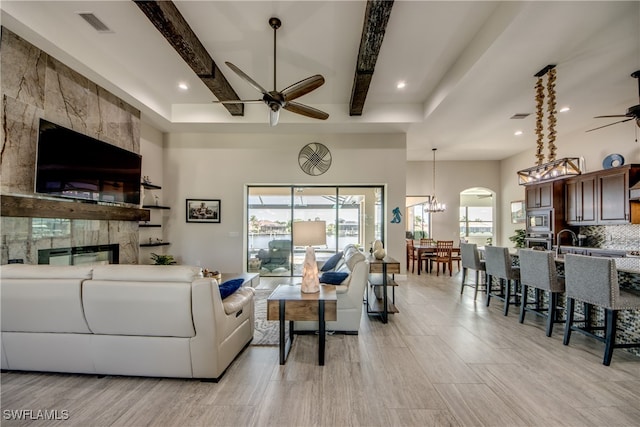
(538,270)
(594,281)
(498,262)
(471,260)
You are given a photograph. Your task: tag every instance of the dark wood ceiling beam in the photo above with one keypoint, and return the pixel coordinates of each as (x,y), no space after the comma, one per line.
(375,23)
(166,17)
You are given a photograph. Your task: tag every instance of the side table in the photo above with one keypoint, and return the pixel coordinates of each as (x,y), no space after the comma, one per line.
(287,302)
(379,270)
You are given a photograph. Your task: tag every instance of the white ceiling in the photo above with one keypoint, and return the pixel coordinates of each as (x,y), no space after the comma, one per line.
(469,66)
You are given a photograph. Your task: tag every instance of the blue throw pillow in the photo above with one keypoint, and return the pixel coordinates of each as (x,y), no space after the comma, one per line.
(229,287)
(333,277)
(332,262)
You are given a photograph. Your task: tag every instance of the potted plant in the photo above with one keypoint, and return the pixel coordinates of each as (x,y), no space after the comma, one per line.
(518,238)
(162,259)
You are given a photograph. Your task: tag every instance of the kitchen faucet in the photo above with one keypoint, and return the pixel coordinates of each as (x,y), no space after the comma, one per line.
(574,239)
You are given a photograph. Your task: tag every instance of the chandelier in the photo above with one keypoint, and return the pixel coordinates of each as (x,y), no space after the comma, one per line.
(434,205)
(553,169)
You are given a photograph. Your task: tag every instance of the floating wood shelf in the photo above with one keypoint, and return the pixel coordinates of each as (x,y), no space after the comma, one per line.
(150,186)
(155,207)
(148,245)
(33,207)
(144,224)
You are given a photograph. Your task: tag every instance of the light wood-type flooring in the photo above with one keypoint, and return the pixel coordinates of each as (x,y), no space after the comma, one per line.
(444,360)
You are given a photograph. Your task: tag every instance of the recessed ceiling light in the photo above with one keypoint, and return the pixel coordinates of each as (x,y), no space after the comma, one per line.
(564,109)
(183,86)
(518,133)
(401,84)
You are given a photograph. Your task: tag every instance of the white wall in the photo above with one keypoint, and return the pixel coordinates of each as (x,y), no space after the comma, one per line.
(451,179)
(151,147)
(219,166)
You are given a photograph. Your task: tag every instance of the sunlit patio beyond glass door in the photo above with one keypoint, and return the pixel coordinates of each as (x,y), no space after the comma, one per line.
(351,215)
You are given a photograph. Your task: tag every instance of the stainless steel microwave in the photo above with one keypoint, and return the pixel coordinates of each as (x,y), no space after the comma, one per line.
(539,220)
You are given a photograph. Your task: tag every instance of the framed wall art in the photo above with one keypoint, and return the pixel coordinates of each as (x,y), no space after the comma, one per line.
(517,212)
(203,210)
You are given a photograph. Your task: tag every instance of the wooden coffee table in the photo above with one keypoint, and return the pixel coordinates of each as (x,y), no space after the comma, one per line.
(287,302)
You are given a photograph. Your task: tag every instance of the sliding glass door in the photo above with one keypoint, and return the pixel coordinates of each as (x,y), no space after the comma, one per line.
(351,215)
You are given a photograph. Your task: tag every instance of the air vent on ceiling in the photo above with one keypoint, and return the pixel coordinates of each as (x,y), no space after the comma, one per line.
(519,116)
(95,22)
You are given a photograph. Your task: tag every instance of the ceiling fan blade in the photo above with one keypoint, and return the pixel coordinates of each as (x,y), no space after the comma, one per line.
(610,124)
(305,110)
(245,77)
(274,115)
(303,87)
(615,115)
(240,101)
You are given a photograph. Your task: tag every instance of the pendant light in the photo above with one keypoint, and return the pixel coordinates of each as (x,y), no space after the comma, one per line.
(553,169)
(434,205)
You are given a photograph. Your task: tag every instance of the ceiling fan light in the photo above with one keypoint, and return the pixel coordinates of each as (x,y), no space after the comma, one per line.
(274,115)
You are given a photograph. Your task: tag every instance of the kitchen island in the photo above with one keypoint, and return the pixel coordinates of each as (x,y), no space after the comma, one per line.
(628,279)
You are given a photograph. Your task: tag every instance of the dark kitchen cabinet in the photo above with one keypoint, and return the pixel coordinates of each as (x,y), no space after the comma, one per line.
(539,195)
(581,200)
(602,197)
(613,189)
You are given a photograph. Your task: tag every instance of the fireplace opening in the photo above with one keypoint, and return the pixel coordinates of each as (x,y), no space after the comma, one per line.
(80,255)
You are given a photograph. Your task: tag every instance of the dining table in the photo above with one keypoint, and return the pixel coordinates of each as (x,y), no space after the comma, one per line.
(430,249)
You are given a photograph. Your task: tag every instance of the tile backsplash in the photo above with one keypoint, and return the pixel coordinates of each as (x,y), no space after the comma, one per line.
(622,237)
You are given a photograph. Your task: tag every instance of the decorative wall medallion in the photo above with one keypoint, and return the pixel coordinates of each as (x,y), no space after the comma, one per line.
(314,159)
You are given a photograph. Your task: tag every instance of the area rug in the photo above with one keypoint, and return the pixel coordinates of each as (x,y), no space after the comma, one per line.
(266,332)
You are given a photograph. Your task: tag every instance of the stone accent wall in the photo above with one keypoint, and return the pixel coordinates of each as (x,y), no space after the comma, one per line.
(36,85)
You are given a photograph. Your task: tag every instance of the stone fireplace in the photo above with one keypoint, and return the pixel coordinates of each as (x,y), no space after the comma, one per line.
(36,85)
(80,255)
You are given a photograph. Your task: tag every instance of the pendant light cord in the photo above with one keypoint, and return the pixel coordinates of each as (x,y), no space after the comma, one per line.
(434,171)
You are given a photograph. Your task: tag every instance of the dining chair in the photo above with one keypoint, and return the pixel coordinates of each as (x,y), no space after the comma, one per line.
(594,281)
(425,257)
(442,256)
(538,271)
(471,260)
(499,265)
(411,255)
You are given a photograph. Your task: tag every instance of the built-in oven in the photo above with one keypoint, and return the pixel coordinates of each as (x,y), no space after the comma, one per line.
(539,221)
(542,241)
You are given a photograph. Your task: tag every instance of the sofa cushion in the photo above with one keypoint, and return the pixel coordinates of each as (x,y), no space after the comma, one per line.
(333,277)
(353,258)
(129,307)
(238,300)
(147,273)
(43,298)
(331,263)
(26,271)
(229,287)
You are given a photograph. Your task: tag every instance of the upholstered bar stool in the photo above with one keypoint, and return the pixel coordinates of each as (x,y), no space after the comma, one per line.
(471,260)
(594,281)
(498,262)
(538,270)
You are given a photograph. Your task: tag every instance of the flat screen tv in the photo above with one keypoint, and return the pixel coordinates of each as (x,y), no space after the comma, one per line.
(70,164)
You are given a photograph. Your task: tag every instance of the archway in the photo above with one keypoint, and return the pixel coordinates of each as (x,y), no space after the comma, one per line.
(477,216)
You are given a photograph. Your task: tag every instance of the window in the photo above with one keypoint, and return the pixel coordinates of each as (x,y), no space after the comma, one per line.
(352,215)
(418,220)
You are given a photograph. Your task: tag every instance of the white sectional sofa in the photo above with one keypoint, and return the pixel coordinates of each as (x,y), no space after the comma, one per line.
(350,294)
(139,320)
